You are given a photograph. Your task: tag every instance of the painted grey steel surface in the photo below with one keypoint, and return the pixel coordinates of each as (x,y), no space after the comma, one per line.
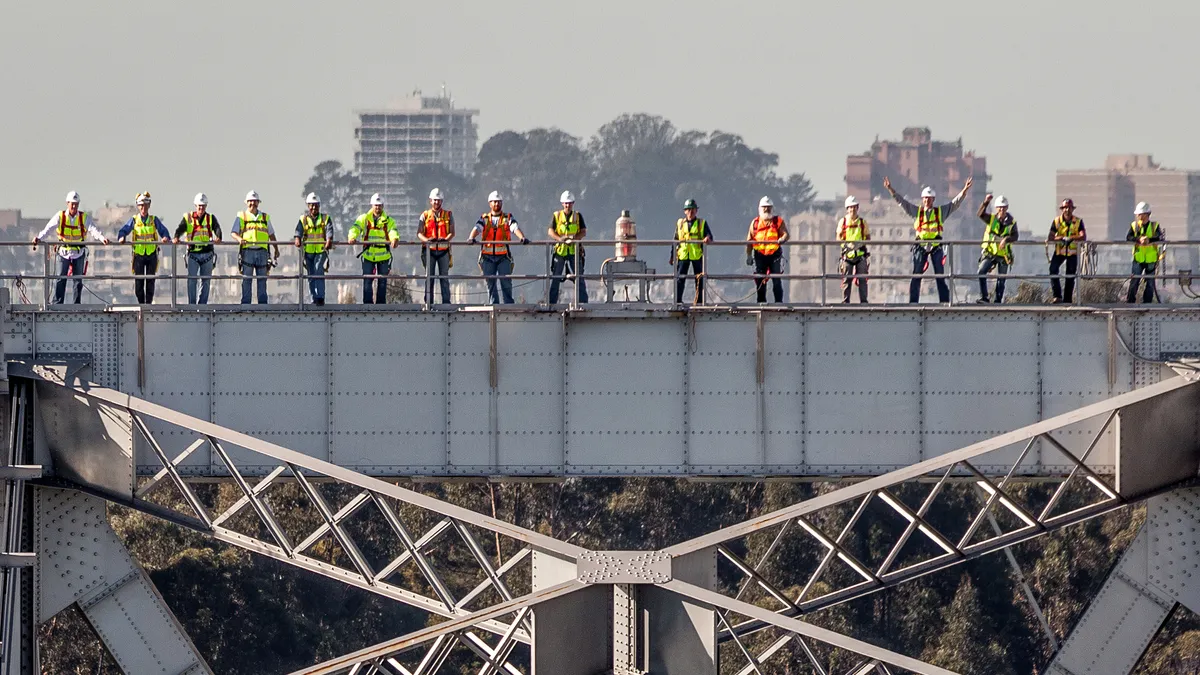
(1173,533)
(82,562)
(617,392)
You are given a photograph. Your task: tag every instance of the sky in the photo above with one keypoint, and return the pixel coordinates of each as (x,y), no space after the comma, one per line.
(112,98)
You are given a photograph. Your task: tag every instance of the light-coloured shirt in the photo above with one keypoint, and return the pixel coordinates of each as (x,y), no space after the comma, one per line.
(237,224)
(89,224)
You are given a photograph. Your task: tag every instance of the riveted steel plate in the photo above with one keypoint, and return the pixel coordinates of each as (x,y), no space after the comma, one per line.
(1075,374)
(722,412)
(1173,526)
(624,567)
(530,393)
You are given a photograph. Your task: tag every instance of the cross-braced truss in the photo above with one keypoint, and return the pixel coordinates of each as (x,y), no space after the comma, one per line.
(486,616)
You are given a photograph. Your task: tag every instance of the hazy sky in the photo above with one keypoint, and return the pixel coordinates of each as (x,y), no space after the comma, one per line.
(111,98)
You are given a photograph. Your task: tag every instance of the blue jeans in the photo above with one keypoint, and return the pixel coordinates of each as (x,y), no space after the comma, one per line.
(920,258)
(560,266)
(493,266)
(254,262)
(199,265)
(76,268)
(438,267)
(379,286)
(985,266)
(314,267)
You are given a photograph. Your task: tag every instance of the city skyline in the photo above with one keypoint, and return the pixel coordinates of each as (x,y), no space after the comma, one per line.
(225,120)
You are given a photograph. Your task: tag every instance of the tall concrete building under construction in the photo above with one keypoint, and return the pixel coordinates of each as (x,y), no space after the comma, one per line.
(420,130)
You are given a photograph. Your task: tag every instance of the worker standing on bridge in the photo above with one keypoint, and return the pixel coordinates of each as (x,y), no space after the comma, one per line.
(436,229)
(1145,235)
(692,233)
(314,232)
(147,231)
(495,258)
(72,227)
(1066,231)
(377,230)
(253,229)
(929,224)
(996,248)
(769,231)
(855,258)
(567,228)
(202,230)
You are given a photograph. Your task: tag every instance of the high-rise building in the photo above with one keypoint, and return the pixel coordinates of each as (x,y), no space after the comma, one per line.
(1105,199)
(420,130)
(914,162)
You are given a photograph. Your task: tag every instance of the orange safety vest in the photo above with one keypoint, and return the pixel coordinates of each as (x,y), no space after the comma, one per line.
(928,223)
(437,225)
(71,230)
(768,232)
(496,232)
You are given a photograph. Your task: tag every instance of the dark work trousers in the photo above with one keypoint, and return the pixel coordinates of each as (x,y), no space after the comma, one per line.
(75,268)
(1056,262)
(1141,270)
(144,288)
(986,265)
(381,268)
(681,277)
(768,267)
(562,265)
(921,258)
(859,266)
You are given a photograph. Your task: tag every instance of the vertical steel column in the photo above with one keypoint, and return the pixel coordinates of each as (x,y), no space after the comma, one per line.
(301,275)
(557,646)
(682,632)
(824,271)
(174,274)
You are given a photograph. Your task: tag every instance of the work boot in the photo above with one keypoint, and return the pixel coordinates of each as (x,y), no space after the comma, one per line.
(319,302)
(1055,301)
(983,300)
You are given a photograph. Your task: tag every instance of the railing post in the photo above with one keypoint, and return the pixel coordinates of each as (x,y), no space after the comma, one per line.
(549,248)
(824,270)
(950,272)
(578,274)
(174,274)
(45,253)
(301,275)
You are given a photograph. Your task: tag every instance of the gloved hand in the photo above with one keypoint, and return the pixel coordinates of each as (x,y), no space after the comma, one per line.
(750,259)
(471,241)
(525,241)
(568,241)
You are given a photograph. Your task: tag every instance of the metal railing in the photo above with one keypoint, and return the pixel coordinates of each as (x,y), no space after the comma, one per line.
(808,268)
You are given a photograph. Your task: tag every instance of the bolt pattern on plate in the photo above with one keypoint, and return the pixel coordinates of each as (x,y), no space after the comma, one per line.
(624,567)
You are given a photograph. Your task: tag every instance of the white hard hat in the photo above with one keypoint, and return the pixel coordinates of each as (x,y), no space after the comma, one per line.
(567,197)
(312,198)
(252,196)
(765,201)
(851,201)
(1142,208)
(495,196)
(142,198)
(436,193)
(376,200)
(928,192)
(72,197)
(201,199)
(1001,202)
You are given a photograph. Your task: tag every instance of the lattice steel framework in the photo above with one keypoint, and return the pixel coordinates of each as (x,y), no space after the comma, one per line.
(761,616)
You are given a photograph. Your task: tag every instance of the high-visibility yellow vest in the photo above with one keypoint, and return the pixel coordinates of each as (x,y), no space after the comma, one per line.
(851,231)
(255,232)
(993,234)
(691,238)
(1149,252)
(145,235)
(566,226)
(199,230)
(928,223)
(314,232)
(71,229)
(368,228)
(1066,229)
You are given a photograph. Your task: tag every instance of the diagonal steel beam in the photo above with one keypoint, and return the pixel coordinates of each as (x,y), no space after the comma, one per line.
(394,645)
(184,488)
(804,628)
(152,484)
(259,488)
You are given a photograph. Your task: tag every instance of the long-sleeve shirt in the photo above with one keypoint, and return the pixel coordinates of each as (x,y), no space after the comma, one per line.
(300,228)
(1007,220)
(182,228)
(89,224)
(914,210)
(1157,236)
(127,228)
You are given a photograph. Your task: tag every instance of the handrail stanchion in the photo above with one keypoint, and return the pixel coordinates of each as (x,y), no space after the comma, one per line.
(950,285)
(824,273)
(549,248)
(301,275)
(45,252)
(174,274)
(578,253)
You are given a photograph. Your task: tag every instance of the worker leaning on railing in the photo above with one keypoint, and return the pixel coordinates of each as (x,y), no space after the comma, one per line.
(377,231)
(253,229)
(72,227)
(495,257)
(929,225)
(200,229)
(996,251)
(147,232)
(1146,235)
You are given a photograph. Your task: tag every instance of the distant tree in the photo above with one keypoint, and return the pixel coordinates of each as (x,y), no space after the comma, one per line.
(967,643)
(341,193)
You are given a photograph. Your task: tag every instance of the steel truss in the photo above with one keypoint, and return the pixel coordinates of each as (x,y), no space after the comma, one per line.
(488,620)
